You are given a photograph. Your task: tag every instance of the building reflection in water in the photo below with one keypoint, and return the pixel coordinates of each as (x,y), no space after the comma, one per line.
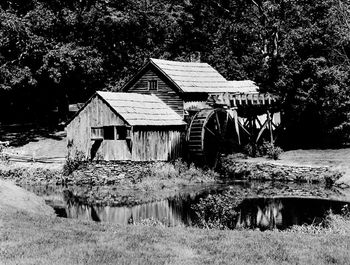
(169,212)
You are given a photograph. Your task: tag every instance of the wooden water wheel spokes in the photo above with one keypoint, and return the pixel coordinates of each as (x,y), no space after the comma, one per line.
(211,133)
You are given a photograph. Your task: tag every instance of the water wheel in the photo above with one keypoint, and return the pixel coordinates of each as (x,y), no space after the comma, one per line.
(211,133)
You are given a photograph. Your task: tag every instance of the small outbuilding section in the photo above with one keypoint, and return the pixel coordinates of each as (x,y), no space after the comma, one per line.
(125,126)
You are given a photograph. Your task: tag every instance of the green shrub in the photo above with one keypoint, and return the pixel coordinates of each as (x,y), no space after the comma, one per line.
(164,171)
(180,165)
(273,152)
(3,157)
(73,163)
(180,170)
(332,223)
(265,149)
(250,150)
(270,150)
(216,211)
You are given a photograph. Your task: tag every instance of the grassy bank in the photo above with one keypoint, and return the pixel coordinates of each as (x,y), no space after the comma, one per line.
(13,197)
(124,183)
(28,237)
(31,239)
(237,166)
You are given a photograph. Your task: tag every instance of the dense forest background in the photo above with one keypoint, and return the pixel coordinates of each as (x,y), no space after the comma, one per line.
(57,52)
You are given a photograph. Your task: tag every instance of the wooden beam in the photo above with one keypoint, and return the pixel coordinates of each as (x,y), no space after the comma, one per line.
(244,129)
(269,120)
(261,131)
(210,131)
(218,122)
(257,119)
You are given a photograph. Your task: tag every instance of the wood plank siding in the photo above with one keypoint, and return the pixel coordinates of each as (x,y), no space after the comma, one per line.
(96,114)
(164,91)
(156,145)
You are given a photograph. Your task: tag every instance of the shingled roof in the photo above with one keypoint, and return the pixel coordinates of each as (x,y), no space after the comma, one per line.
(141,110)
(193,77)
(244,86)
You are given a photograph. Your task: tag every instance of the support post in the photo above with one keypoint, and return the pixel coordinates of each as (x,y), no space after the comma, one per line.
(269,119)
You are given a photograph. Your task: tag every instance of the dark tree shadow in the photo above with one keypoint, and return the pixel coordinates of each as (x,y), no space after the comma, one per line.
(94,148)
(18,135)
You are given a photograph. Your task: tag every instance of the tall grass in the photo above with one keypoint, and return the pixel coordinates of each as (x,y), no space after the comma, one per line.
(183,170)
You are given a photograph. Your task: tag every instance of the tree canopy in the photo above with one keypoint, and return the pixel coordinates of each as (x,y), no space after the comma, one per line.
(56,52)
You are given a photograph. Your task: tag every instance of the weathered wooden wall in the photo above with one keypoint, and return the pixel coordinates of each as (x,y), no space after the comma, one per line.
(96,114)
(164,92)
(149,145)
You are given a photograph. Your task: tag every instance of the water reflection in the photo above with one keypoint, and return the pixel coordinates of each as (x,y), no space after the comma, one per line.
(169,212)
(252,214)
(262,213)
(258,205)
(281,213)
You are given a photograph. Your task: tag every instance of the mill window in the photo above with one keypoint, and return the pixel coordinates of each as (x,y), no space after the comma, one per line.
(123,133)
(96,133)
(153,85)
(109,132)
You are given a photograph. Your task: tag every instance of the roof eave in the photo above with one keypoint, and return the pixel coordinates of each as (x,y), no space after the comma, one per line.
(96,94)
(166,75)
(112,109)
(135,77)
(80,110)
(183,126)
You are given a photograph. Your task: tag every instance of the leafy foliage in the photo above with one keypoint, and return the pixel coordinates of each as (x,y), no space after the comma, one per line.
(217,211)
(73,163)
(270,150)
(3,156)
(53,53)
(265,149)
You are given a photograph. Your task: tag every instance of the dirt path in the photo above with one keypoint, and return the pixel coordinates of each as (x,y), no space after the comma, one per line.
(40,152)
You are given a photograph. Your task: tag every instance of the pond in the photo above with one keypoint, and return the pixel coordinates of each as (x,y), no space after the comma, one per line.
(233,205)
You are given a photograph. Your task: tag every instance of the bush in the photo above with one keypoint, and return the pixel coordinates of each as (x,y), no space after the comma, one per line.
(3,157)
(270,150)
(180,165)
(216,211)
(265,149)
(250,150)
(72,164)
(273,152)
(332,223)
(181,170)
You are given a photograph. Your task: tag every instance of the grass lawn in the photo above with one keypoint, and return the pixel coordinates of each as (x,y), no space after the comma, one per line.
(336,159)
(29,237)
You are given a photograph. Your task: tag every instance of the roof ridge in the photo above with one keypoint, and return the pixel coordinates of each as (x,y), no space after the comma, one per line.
(179,62)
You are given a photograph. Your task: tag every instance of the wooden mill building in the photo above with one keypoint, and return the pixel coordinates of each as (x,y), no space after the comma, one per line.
(125,126)
(184,85)
(145,122)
